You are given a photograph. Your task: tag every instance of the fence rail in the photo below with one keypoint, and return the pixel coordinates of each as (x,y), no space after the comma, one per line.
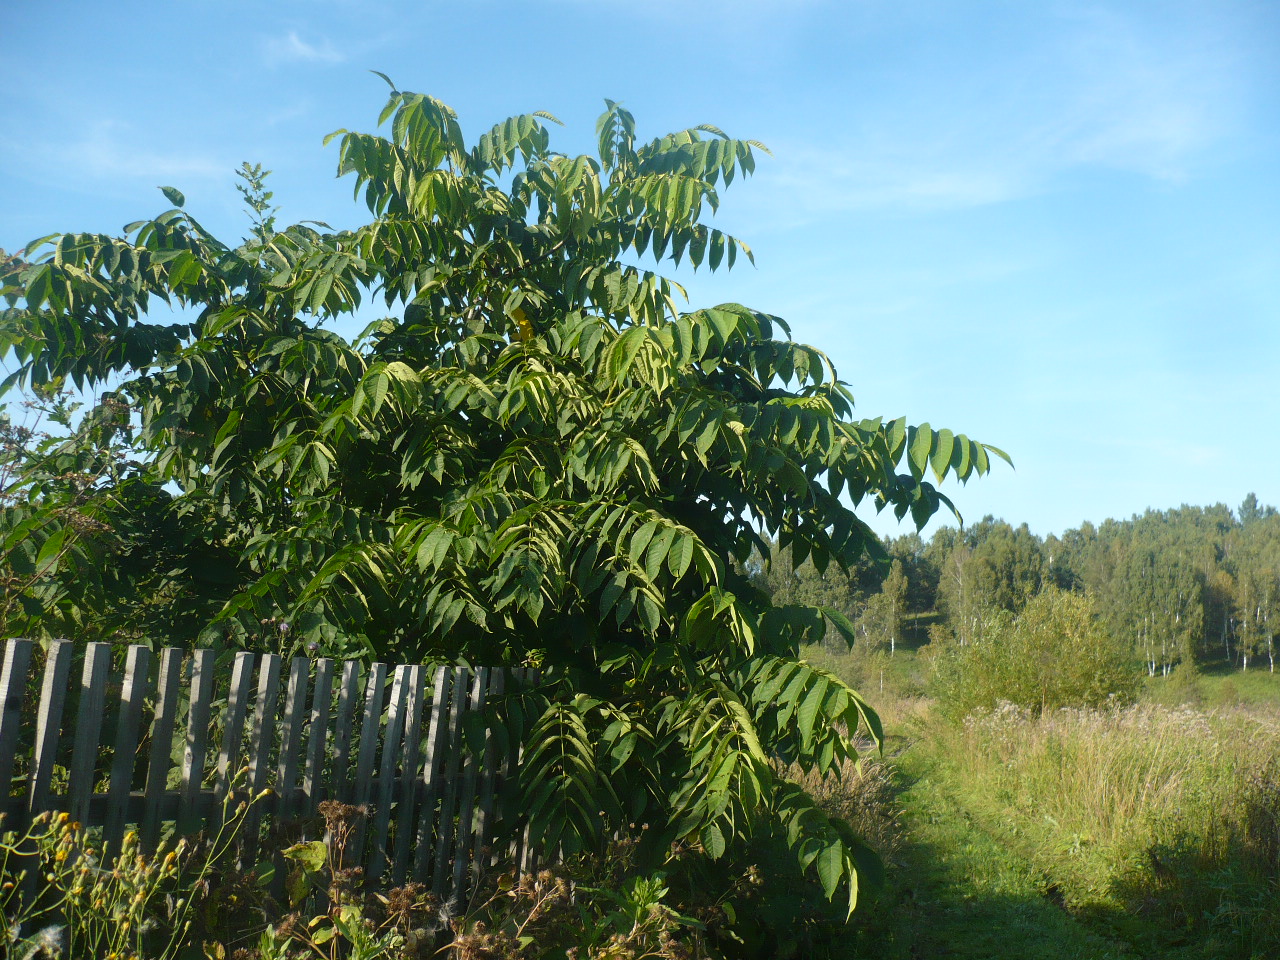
(163,743)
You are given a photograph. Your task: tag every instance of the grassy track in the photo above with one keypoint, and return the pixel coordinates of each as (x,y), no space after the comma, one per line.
(1150,831)
(959,892)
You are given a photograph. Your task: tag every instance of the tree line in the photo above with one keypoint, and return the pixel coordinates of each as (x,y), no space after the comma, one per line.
(1181,586)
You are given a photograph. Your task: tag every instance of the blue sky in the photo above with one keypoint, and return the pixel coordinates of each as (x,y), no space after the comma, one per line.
(1055,226)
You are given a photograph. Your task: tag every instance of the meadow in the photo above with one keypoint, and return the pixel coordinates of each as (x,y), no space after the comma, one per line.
(1149,829)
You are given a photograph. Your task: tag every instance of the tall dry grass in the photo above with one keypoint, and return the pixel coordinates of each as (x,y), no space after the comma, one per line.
(1115,771)
(1144,809)
(863,795)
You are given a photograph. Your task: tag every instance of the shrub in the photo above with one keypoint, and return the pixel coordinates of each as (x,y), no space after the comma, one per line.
(199,900)
(1056,653)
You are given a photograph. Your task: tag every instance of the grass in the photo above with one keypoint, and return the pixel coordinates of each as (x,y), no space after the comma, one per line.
(1148,831)
(1217,685)
(957,890)
(1160,824)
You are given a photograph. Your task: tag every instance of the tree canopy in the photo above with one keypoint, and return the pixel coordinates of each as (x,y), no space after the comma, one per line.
(1185,586)
(537,457)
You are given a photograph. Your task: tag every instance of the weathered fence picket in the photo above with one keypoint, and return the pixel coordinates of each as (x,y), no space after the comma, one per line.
(137,667)
(321,702)
(53,697)
(393,742)
(232,734)
(166,713)
(444,836)
(13,681)
(93,701)
(201,705)
(431,775)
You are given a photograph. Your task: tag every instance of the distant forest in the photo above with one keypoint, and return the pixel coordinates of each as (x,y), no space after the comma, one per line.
(1189,585)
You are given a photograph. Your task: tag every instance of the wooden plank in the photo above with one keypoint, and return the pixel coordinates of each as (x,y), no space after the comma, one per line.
(166,714)
(232,732)
(84,753)
(387,777)
(313,776)
(511,776)
(408,773)
(13,688)
(291,734)
(199,707)
(49,721)
(133,691)
(467,803)
(287,762)
(491,769)
(448,804)
(436,745)
(261,740)
(526,861)
(53,698)
(261,731)
(375,691)
(341,782)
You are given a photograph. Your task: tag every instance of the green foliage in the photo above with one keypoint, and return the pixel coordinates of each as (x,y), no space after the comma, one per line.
(87,548)
(988,567)
(1177,587)
(256,197)
(1056,653)
(883,618)
(1256,598)
(1182,585)
(1153,594)
(535,458)
(841,589)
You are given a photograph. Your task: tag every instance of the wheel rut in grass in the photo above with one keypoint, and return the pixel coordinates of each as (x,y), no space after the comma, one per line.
(957,891)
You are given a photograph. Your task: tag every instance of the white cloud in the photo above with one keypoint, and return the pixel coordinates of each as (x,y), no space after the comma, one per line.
(111,150)
(1140,102)
(291,48)
(289,112)
(1097,89)
(708,7)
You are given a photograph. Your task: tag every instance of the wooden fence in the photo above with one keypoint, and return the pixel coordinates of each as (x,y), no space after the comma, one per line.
(160,744)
